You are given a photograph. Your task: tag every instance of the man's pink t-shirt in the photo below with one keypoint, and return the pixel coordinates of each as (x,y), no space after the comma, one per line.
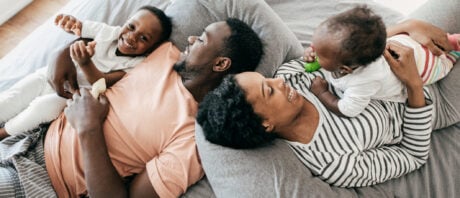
(150,124)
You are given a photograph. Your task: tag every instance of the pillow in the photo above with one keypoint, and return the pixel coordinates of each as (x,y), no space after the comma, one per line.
(190,17)
(303,18)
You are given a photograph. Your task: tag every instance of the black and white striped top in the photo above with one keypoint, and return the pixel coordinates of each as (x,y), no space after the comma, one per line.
(386,141)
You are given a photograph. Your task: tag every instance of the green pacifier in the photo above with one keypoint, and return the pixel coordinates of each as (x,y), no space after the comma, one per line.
(313,66)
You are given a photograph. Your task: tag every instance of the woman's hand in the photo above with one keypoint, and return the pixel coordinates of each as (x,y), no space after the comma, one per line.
(82,53)
(430,36)
(69,23)
(402,63)
(85,113)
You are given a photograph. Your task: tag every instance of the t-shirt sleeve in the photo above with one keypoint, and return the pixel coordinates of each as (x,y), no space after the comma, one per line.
(355,99)
(176,168)
(99,31)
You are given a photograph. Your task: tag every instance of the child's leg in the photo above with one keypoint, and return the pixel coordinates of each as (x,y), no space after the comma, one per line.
(43,109)
(18,97)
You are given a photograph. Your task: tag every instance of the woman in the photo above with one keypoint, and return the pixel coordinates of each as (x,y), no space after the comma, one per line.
(386,141)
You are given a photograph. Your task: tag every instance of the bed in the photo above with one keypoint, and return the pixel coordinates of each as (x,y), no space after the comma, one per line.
(285,26)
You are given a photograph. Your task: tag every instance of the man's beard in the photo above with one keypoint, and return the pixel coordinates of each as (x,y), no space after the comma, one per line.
(186,73)
(179,67)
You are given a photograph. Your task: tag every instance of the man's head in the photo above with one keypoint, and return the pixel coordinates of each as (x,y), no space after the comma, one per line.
(224,47)
(352,38)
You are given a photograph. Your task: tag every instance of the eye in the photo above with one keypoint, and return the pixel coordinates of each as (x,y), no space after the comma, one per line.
(144,38)
(270,91)
(130,26)
(199,39)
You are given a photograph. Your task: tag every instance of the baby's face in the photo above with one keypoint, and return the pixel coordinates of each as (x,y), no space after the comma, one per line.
(327,47)
(140,33)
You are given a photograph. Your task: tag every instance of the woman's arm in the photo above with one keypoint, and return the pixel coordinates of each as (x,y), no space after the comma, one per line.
(377,165)
(87,115)
(430,36)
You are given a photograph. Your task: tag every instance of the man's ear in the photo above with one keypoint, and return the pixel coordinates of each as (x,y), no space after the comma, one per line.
(222,64)
(268,126)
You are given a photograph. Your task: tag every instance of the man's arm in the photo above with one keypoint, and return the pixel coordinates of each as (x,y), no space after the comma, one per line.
(428,35)
(87,115)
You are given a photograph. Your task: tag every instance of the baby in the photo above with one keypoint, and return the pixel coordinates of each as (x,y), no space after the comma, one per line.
(113,51)
(350,46)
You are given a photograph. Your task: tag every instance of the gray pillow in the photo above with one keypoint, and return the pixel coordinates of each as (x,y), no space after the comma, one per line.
(190,17)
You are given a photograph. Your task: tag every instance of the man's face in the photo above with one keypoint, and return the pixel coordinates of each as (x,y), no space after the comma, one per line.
(203,51)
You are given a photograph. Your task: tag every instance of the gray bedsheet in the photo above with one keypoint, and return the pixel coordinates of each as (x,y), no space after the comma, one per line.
(274,171)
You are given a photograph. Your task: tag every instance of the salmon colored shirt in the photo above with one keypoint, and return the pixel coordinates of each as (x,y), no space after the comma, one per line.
(150,124)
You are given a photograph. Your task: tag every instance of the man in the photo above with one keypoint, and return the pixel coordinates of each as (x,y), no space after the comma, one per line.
(143,147)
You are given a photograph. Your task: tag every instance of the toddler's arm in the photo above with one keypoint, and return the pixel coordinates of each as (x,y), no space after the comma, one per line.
(320,89)
(82,54)
(69,24)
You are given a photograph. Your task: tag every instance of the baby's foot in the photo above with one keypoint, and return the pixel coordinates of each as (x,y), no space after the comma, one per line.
(454,40)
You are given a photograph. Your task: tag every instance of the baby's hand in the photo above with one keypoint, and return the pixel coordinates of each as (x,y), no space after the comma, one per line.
(318,86)
(81,53)
(69,24)
(309,55)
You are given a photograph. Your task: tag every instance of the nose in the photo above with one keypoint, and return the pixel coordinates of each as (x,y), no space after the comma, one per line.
(278,82)
(191,40)
(132,36)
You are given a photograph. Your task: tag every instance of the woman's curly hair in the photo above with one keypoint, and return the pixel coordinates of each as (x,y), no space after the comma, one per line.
(229,120)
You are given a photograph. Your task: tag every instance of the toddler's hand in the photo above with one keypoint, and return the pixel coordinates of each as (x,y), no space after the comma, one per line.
(68,23)
(318,86)
(309,55)
(81,53)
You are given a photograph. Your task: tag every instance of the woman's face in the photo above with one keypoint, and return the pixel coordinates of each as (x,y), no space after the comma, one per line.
(276,102)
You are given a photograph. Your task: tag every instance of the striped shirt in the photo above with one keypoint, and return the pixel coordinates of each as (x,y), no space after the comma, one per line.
(386,141)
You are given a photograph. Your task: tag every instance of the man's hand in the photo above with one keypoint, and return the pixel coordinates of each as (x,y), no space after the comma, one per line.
(85,113)
(63,75)
(428,35)
(69,24)
(82,53)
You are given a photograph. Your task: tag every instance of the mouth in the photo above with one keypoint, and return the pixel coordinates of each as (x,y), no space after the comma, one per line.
(127,44)
(292,94)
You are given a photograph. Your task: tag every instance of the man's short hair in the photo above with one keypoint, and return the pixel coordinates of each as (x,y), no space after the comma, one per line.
(243,47)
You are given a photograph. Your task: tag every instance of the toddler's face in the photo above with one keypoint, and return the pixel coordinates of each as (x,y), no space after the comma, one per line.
(327,51)
(140,33)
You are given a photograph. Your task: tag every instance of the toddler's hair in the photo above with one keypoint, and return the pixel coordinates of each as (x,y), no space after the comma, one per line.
(364,35)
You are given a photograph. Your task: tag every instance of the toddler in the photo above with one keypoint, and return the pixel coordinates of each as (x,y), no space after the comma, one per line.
(113,51)
(350,46)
